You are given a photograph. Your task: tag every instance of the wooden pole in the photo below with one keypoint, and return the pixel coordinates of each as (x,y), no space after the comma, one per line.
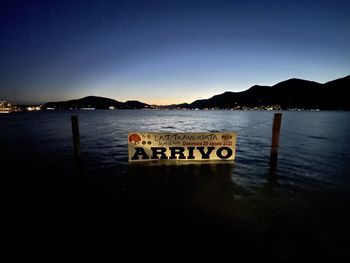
(276,128)
(76,137)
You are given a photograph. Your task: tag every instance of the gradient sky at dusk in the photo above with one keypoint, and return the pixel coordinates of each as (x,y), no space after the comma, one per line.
(166,51)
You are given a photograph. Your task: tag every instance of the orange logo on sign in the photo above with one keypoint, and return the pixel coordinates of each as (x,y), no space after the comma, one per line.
(134,138)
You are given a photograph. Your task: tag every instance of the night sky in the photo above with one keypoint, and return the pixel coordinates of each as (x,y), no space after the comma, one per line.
(166,51)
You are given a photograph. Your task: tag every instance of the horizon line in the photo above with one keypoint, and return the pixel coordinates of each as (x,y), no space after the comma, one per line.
(27,103)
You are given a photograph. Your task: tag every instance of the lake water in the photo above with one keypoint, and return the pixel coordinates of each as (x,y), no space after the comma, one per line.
(210,210)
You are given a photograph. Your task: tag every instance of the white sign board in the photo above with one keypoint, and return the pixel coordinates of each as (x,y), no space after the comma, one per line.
(153,146)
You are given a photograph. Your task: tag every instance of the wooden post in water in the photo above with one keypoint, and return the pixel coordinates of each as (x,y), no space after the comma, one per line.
(76,137)
(276,128)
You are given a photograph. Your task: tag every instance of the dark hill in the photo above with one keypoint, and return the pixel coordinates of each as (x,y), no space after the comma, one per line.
(292,93)
(134,104)
(95,102)
(336,93)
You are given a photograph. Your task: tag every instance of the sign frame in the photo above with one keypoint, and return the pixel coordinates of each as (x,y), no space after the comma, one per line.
(181,147)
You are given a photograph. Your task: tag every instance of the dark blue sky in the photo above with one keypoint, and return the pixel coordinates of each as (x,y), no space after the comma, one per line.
(166,51)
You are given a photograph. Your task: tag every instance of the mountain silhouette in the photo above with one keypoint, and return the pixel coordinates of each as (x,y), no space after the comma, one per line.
(292,93)
(96,103)
(289,94)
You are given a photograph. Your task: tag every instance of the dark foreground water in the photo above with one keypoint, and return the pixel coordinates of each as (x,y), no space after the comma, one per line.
(105,209)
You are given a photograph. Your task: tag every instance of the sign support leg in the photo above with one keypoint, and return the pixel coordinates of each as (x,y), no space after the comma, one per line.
(276,128)
(76,137)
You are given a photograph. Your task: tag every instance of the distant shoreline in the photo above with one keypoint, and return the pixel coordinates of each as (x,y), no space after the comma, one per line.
(201,110)
(292,94)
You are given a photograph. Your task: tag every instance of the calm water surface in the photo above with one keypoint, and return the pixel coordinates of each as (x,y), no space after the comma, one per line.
(314,146)
(311,183)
